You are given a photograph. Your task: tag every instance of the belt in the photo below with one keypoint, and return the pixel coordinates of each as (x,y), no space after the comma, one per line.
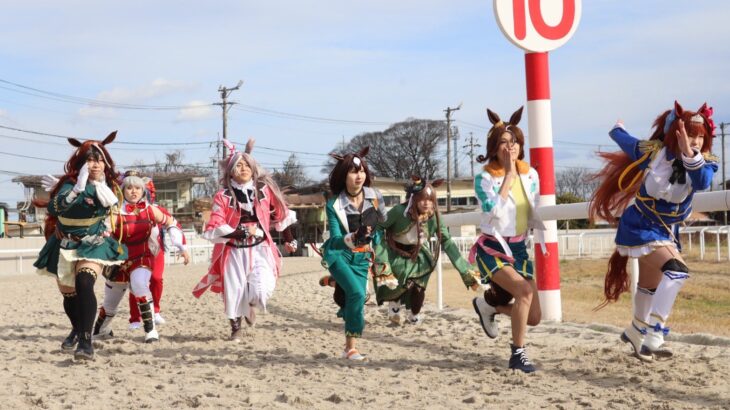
(232,244)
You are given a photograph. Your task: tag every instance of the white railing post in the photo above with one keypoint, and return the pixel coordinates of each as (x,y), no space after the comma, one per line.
(440,280)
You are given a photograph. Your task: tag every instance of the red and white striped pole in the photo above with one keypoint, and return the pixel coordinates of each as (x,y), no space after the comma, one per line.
(540,131)
(538,27)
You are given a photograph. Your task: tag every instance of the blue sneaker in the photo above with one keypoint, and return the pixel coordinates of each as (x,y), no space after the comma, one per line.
(519,360)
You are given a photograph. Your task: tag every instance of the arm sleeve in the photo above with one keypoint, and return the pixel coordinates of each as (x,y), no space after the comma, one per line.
(217,227)
(626,142)
(338,240)
(700,171)
(64,200)
(491,203)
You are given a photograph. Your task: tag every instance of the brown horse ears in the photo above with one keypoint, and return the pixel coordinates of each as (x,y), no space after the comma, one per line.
(249,145)
(109,138)
(338,157)
(73,141)
(364,151)
(493,117)
(516,116)
(678,110)
(437,183)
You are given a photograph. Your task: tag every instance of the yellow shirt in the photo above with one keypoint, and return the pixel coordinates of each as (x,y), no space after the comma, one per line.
(522,204)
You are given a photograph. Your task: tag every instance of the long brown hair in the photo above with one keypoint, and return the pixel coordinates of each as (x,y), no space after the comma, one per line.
(84,150)
(609,199)
(419,190)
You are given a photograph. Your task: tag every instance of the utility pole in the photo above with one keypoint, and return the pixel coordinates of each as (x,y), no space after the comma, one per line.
(448,112)
(225,92)
(456,153)
(471,147)
(724,186)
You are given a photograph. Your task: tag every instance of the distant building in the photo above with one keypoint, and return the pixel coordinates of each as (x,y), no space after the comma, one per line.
(174,191)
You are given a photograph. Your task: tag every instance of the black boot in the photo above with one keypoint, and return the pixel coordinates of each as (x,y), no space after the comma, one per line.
(102,327)
(84,351)
(69,343)
(519,360)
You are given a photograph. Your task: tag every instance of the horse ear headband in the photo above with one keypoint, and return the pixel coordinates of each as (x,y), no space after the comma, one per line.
(704,113)
(356,160)
(497,122)
(108,140)
(417,186)
(232,149)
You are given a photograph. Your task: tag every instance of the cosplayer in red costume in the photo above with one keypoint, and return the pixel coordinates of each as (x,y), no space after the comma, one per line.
(136,224)
(158,268)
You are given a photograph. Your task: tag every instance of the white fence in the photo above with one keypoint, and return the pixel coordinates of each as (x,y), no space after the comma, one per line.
(574,244)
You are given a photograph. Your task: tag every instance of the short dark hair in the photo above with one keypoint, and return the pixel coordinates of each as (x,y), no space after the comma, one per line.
(343,167)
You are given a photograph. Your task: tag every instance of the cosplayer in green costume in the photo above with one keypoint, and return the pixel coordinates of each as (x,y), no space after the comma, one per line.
(78,245)
(404,261)
(352,214)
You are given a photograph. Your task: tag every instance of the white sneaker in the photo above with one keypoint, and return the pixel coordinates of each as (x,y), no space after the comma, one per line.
(486,313)
(159,320)
(394,312)
(135,325)
(151,336)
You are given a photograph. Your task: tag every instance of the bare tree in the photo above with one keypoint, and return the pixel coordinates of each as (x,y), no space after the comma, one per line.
(404,149)
(577,182)
(292,173)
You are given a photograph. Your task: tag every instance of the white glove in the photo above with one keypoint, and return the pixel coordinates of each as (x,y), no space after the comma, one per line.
(48,182)
(82,178)
(104,193)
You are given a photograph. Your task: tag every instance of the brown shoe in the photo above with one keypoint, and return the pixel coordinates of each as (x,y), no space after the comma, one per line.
(236,332)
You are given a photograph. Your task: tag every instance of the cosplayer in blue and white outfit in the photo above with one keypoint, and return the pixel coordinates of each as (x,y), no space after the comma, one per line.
(661,175)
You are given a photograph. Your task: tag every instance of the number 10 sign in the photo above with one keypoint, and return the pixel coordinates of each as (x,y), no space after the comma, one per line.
(538,25)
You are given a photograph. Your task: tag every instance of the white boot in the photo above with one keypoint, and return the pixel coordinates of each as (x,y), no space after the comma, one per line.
(654,340)
(634,335)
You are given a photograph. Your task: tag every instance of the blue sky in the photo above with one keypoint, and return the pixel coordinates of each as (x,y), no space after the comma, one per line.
(371,63)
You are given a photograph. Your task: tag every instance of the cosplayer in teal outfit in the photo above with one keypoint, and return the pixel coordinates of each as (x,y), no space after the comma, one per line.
(404,261)
(352,215)
(78,245)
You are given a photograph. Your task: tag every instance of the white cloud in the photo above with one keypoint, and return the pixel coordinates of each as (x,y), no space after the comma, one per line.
(196,110)
(138,95)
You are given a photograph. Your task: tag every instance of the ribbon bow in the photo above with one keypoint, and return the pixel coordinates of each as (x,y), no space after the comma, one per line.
(707,112)
(129,208)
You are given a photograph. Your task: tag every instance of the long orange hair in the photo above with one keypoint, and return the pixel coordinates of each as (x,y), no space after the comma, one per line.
(609,199)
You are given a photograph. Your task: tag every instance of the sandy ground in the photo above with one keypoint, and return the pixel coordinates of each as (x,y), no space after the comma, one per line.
(291,358)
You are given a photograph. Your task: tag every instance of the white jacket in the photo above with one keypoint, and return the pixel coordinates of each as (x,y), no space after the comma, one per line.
(499,214)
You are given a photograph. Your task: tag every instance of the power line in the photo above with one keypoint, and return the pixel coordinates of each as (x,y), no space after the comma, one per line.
(118,142)
(36,92)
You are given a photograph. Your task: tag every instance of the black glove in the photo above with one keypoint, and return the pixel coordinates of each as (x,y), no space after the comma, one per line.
(361,236)
(370,217)
(237,234)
